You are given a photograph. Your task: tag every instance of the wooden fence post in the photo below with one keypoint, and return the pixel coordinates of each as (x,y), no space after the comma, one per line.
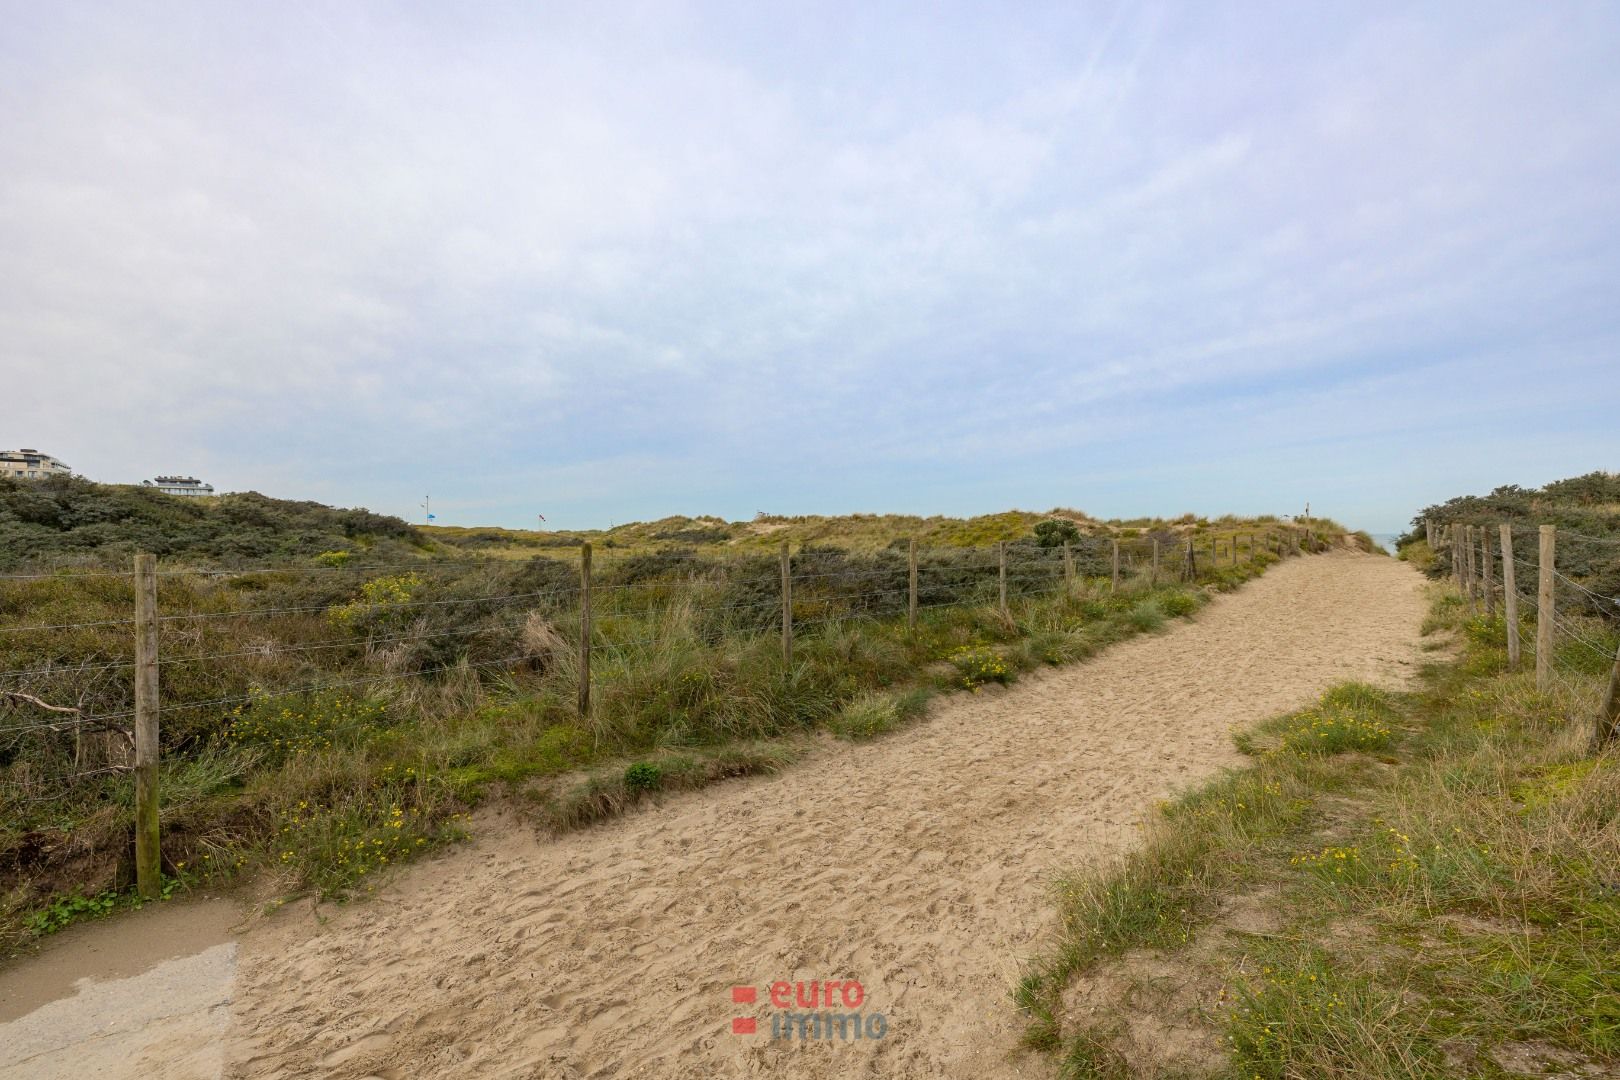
(1466,578)
(1510,598)
(1001,558)
(911,604)
(1115,587)
(585,631)
(1608,717)
(1471,567)
(1544,609)
(1487,571)
(1190,569)
(148,850)
(1457,557)
(1155,578)
(1068,571)
(787,606)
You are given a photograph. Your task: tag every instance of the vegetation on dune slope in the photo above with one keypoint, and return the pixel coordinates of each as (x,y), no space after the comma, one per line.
(333,714)
(1418,884)
(853,532)
(63,520)
(1586,511)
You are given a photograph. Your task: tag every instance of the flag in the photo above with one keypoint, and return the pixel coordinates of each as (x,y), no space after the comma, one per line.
(433,517)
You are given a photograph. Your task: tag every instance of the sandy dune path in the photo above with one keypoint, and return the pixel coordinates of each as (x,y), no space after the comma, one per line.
(917,865)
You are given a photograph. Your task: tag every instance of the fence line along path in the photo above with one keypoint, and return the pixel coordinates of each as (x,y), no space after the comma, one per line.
(916,865)
(127,700)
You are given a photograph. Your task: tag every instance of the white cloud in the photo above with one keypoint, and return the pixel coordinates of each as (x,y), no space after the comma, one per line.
(567,244)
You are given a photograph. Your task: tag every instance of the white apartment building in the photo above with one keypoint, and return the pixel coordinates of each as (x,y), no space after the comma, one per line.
(31,465)
(180,485)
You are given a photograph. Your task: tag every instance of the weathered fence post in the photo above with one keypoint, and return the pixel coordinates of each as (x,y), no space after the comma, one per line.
(1001,559)
(1487,571)
(911,603)
(1510,598)
(1470,567)
(787,605)
(585,629)
(1457,557)
(1155,578)
(1608,717)
(1068,571)
(148,849)
(1115,587)
(1190,569)
(1544,609)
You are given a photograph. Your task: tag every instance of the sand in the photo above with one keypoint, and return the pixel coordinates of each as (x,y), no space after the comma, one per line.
(144,995)
(918,865)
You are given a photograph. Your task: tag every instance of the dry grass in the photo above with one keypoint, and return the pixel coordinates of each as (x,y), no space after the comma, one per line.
(1441,902)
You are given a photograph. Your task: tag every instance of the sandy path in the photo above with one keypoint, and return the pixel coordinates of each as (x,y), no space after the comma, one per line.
(917,865)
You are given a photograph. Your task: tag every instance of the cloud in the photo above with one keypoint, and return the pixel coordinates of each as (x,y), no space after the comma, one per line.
(622,262)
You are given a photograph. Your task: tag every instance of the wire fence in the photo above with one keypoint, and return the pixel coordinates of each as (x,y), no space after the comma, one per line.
(221,643)
(1552,619)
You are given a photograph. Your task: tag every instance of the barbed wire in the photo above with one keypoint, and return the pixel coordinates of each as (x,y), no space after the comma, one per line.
(60,781)
(73,574)
(1584,589)
(68,669)
(1569,631)
(1026,574)
(314,688)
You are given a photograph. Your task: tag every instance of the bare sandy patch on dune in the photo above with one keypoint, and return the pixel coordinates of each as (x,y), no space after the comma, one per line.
(917,865)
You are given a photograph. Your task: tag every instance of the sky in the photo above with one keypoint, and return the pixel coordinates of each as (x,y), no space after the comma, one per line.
(614,261)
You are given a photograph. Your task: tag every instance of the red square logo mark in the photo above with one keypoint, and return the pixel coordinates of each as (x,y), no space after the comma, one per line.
(742,1025)
(742,995)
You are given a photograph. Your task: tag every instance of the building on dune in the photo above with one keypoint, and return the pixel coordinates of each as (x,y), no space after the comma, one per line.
(180,485)
(31,465)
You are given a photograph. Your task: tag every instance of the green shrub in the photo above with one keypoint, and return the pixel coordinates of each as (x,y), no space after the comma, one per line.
(67,910)
(977,665)
(1178,604)
(643,776)
(1333,731)
(335,844)
(1145,616)
(874,714)
(1055,532)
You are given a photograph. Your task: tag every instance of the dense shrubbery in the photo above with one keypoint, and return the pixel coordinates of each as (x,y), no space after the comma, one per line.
(65,520)
(1055,532)
(356,663)
(1586,510)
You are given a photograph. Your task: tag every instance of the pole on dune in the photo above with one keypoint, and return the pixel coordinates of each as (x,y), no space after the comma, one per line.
(911,586)
(584,629)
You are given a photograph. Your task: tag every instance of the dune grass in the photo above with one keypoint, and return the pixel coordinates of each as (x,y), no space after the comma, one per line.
(450,682)
(1417,884)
